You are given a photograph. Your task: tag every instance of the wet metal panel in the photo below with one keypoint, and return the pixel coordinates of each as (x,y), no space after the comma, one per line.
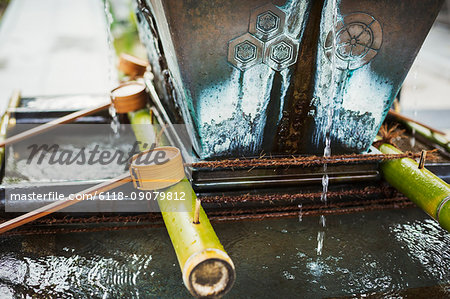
(255,76)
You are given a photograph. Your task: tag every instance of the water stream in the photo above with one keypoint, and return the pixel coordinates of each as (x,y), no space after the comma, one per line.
(414,87)
(112,78)
(329,123)
(112,74)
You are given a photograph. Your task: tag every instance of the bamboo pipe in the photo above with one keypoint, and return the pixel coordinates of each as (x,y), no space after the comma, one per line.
(421,186)
(436,138)
(6,120)
(407,119)
(206,268)
(427,132)
(59,205)
(14,101)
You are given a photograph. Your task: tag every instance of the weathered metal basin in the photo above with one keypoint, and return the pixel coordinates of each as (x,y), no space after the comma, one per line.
(257,75)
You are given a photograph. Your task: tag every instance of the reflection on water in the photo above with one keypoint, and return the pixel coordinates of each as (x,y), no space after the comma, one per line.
(62,103)
(369,252)
(79,144)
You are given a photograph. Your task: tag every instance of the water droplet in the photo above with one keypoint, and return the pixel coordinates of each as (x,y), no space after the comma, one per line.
(288,275)
(320,238)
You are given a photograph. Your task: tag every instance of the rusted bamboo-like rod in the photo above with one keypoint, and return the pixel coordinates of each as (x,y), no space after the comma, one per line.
(53,124)
(66,202)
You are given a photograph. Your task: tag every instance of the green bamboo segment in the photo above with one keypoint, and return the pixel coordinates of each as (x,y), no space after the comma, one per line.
(139,120)
(7,120)
(421,186)
(207,269)
(436,138)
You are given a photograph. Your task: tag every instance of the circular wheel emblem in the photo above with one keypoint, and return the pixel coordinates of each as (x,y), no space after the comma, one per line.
(358,40)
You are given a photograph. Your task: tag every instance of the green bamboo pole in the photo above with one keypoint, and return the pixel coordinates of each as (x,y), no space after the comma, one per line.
(207,269)
(6,120)
(426,133)
(421,186)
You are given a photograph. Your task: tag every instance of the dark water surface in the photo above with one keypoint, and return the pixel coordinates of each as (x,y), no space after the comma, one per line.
(381,252)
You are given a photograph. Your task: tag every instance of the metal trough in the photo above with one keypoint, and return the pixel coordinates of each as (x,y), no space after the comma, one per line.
(256,76)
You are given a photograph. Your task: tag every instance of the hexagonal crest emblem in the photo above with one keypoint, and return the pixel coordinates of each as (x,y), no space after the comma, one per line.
(245,51)
(266,22)
(281,53)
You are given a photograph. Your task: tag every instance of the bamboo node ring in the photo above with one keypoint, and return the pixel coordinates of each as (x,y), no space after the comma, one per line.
(441,205)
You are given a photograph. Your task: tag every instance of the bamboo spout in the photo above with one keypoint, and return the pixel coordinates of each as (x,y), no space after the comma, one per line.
(421,186)
(207,269)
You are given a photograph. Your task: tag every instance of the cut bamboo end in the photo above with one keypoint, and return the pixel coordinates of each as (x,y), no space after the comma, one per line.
(157,168)
(209,273)
(129,97)
(132,66)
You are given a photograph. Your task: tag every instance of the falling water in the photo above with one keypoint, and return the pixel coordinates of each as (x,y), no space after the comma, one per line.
(320,238)
(414,87)
(111,52)
(112,78)
(320,235)
(332,92)
(327,149)
(115,123)
(300,213)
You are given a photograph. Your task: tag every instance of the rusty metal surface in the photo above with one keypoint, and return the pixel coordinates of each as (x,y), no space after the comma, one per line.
(312,207)
(304,161)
